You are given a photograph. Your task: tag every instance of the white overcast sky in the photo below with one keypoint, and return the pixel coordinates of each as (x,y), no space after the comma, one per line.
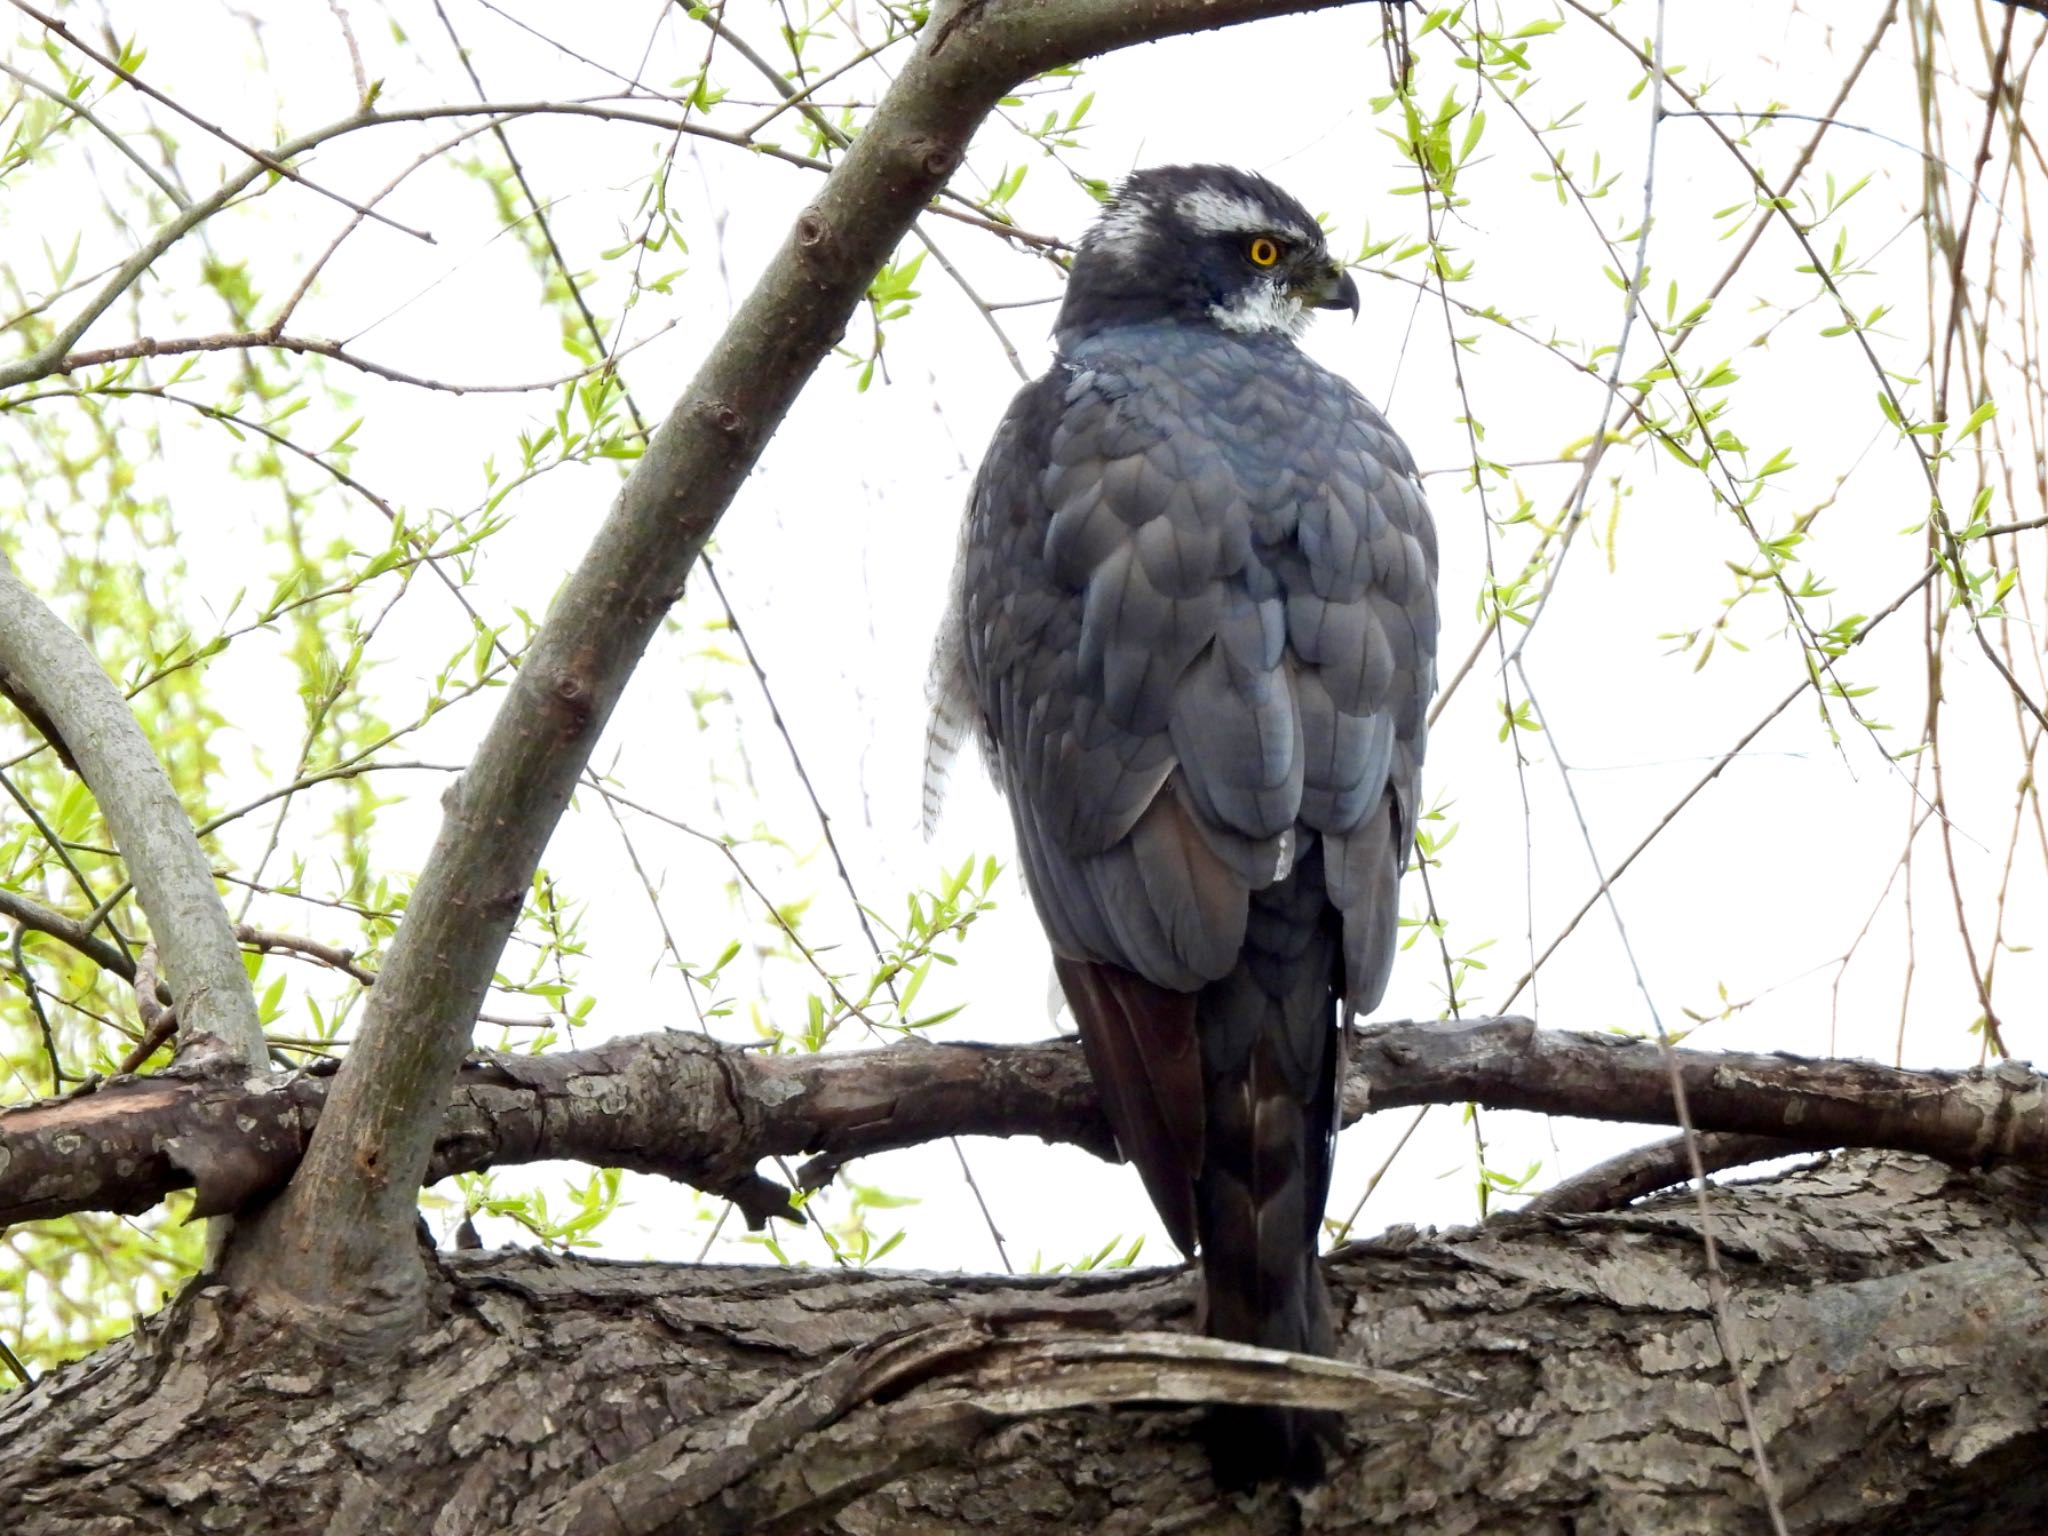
(836,551)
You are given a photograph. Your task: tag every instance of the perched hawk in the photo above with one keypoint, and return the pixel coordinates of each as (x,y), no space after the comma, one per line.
(1194,621)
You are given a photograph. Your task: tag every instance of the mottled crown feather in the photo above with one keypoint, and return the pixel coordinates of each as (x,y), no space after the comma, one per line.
(1169,245)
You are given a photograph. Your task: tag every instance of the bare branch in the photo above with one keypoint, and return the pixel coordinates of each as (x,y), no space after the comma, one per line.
(66,930)
(318,346)
(158,1022)
(706,1114)
(36,918)
(85,115)
(173,879)
(1646,1170)
(45,361)
(275,164)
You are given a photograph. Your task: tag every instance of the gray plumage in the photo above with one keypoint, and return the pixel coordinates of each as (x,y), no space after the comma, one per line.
(1194,624)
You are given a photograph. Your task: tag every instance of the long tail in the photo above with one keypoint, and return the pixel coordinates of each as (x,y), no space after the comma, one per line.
(1270,1065)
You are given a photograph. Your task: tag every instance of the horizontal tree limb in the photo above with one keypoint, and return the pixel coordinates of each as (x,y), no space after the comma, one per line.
(706,1114)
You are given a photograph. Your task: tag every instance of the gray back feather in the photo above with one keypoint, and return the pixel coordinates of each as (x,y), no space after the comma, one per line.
(1195,616)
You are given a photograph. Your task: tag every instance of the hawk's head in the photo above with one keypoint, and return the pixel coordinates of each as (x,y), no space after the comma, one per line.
(1203,244)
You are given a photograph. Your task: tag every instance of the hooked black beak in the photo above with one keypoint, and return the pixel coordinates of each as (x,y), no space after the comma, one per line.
(1333,290)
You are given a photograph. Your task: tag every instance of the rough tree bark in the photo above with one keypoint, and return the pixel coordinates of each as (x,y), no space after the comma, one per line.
(1891,1316)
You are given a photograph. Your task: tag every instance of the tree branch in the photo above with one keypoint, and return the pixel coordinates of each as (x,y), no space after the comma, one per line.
(66,930)
(707,1114)
(274,338)
(272,163)
(42,655)
(338,1241)
(1645,1170)
(1890,1308)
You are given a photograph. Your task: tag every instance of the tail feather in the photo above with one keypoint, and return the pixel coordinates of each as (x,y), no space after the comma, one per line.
(1226,1099)
(1270,1049)
(1142,1052)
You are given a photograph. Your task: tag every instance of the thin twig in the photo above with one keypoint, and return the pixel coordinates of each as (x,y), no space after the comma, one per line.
(62,848)
(1886,384)
(1470,419)
(13,1363)
(1717,1283)
(85,115)
(66,930)
(273,339)
(276,164)
(34,994)
(1701,783)
(158,1022)
(1596,450)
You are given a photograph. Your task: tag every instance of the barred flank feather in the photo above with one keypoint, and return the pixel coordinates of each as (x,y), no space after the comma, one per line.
(950,693)
(944,735)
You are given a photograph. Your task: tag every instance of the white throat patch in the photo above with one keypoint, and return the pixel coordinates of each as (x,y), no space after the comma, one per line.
(1262,307)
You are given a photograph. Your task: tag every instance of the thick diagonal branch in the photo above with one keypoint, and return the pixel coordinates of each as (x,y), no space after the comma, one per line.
(338,1241)
(44,658)
(707,1114)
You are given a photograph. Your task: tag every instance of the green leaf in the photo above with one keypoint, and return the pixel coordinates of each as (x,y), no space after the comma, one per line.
(1978,417)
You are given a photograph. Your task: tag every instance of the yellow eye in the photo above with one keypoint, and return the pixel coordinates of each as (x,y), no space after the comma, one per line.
(1263,252)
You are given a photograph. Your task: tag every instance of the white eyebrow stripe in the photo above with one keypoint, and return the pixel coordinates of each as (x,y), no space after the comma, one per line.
(1216,212)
